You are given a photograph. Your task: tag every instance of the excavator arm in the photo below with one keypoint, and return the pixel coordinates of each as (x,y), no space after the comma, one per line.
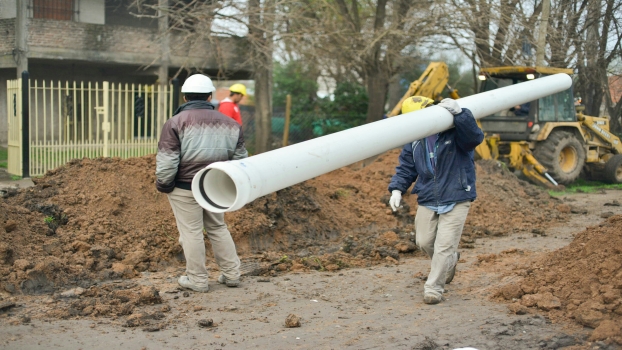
(431,84)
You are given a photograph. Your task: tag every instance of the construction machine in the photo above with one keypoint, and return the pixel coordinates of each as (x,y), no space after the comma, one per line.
(550,140)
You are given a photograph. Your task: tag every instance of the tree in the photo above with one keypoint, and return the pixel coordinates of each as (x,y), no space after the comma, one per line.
(363,41)
(602,45)
(490,33)
(580,34)
(225,25)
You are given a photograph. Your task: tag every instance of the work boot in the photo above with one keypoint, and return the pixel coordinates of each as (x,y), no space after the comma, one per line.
(451,272)
(185,283)
(229,283)
(432,299)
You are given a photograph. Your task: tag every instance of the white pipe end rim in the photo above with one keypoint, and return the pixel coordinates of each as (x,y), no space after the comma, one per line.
(214,190)
(222,186)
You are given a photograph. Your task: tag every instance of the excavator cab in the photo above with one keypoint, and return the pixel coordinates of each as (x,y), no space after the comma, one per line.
(524,122)
(563,140)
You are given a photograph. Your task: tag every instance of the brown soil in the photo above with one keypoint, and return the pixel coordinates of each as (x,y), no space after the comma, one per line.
(102,219)
(97,239)
(582,281)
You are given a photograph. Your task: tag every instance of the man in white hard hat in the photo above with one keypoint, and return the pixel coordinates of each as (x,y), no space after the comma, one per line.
(229,106)
(193,138)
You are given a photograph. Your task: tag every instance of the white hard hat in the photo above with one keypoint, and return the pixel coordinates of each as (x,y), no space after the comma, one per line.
(199,84)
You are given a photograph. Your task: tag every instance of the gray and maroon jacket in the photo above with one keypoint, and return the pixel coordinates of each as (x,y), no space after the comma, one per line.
(193,138)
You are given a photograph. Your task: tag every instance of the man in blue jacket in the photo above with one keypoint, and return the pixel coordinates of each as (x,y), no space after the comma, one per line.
(443,170)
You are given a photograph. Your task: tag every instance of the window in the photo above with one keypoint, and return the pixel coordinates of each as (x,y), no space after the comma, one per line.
(565,106)
(558,107)
(497,83)
(53,9)
(546,112)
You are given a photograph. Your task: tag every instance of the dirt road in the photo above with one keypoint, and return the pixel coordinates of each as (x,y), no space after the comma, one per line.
(378,307)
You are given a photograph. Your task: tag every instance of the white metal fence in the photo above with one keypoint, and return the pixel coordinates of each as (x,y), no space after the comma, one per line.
(71,120)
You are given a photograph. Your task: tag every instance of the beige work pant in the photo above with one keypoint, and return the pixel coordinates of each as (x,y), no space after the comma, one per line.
(438,236)
(191,219)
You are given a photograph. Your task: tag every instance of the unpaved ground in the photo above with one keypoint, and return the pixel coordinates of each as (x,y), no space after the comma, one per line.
(379,307)
(329,248)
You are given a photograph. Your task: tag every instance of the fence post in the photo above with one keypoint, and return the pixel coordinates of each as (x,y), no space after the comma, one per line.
(288,109)
(106,122)
(175,93)
(25,124)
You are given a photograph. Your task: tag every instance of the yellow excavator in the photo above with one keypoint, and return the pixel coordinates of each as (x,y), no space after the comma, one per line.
(550,140)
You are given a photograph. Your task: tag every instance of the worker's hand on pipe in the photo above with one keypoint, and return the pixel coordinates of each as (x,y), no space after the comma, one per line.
(396,197)
(451,105)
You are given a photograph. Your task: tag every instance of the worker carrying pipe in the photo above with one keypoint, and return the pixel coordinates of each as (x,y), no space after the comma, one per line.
(228,186)
(443,170)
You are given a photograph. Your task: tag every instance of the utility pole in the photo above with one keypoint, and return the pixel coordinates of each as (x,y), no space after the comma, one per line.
(544,24)
(165,58)
(21,37)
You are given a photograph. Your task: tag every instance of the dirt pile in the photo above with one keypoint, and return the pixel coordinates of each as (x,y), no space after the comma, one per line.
(101,219)
(582,281)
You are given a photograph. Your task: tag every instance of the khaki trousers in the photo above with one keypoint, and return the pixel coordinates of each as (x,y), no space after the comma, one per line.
(438,236)
(191,219)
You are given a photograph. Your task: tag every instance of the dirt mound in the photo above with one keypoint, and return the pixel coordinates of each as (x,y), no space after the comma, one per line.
(101,219)
(506,204)
(582,281)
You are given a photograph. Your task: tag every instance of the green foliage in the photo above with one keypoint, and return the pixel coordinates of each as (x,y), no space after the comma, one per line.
(295,79)
(584,186)
(461,81)
(349,104)
(15,177)
(4,155)
(346,109)
(49,220)
(311,115)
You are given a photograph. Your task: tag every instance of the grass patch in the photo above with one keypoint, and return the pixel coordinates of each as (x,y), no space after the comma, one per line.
(584,186)
(4,156)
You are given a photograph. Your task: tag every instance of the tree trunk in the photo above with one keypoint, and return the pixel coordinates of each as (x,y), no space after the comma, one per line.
(377,86)
(263,107)
(542,30)
(593,91)
(261,31)
(395,91)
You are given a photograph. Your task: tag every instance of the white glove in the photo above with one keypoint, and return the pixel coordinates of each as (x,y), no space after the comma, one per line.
(396,197)
(451,105)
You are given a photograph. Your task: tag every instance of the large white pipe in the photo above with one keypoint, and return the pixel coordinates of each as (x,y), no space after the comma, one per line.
(228,186)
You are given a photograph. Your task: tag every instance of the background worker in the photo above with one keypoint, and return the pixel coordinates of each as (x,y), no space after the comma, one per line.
(444,170)
(193,138)
(229,106)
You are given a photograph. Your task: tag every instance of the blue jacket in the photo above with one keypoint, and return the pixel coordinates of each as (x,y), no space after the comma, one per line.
(454,179)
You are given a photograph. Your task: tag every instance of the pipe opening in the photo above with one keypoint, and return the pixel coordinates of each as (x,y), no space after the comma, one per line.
(218,189)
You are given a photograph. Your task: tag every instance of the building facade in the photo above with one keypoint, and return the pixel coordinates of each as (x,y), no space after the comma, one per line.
(97,40)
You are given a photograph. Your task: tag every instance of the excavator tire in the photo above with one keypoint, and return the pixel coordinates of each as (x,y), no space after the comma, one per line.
(613,169)
(563,155)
